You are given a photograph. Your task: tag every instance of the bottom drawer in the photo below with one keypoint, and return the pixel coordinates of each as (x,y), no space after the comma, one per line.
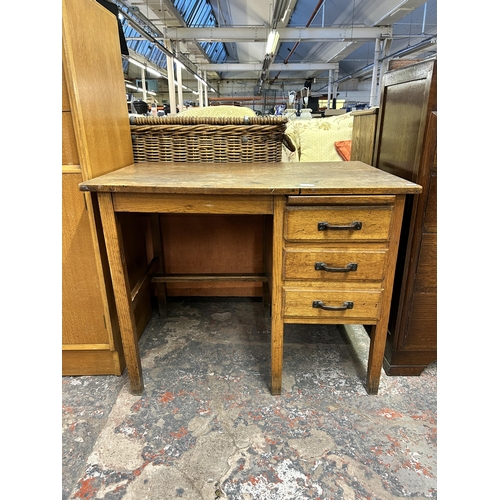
(338,305)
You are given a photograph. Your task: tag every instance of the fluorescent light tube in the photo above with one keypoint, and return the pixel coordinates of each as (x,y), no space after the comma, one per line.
(272,42)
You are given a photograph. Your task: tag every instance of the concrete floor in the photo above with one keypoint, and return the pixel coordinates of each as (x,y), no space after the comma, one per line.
(207,427)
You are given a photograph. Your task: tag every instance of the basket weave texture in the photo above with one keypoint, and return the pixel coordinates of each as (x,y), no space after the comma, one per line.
(208,139)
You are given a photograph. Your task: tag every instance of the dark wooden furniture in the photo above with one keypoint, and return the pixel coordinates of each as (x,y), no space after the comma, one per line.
(406,146)
(332,232)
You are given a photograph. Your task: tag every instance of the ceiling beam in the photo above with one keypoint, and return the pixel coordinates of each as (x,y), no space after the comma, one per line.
(272,67)
(260,34)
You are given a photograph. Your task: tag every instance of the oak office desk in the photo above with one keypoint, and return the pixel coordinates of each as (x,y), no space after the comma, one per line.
(333,230)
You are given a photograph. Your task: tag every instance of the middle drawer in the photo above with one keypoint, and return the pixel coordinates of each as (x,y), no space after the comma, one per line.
(359,223)
(334,264)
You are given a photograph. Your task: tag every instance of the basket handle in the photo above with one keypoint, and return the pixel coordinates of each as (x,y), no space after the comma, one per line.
(288,143)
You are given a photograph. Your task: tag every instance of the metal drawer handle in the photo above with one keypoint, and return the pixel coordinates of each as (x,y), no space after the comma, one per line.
(319,304)
(323,226)
(321,266)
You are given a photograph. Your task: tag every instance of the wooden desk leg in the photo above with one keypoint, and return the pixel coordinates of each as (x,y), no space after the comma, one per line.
(161,288)
(277,326)
(376,357)
(276,354)
(378,335)
(121,289)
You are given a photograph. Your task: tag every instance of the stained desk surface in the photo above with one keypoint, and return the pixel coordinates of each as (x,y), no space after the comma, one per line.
(308,178)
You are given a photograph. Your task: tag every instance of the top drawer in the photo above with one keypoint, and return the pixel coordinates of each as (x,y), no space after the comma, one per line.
(338,223)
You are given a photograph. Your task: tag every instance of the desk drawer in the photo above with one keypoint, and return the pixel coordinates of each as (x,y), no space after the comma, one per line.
(334,264)
(369,223)
(316,302)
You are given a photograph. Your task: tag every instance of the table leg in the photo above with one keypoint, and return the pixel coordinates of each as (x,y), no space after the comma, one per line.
(277,325)
(378,335)
(376,357)
(161,288)
(276,356)
(121,289)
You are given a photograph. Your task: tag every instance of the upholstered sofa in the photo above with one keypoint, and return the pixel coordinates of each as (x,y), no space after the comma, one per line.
(320,139)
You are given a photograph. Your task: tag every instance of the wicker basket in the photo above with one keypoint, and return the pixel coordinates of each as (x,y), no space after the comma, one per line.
(208,139)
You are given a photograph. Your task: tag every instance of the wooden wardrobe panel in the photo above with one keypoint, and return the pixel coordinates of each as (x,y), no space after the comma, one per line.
(66,106)
(69,148)
(421,334)
(92,62)
(82,302)
(426,274)
(406,145)
(96,140)
(430,220)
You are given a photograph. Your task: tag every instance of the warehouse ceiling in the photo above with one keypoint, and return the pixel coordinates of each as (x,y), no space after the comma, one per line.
(224,40)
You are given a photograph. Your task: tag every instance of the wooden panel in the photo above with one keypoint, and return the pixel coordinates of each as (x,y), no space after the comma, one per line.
(210,244)
(135,238)
(408,363)
(96,140)
(96,87)
(208,289)
(363,135)
(192,204)
(407,98)
(69,148)
(300,263)
(85,347)
(396,156)
(406,139)
(421,333)
(302,223)
(91,363)
(426,275)
(430,220)
(66,106)
(83,315)
(213,243)
(142,312)
(341,200)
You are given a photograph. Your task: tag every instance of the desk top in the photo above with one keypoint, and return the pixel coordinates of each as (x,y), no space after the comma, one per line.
(342,177)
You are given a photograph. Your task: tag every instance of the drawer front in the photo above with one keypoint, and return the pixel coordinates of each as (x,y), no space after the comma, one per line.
(334,264)
(352,304)
(369,223)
